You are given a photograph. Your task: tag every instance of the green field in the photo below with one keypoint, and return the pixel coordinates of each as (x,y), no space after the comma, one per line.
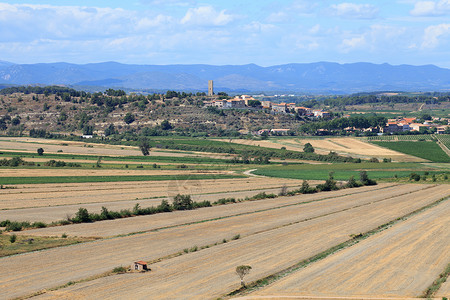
(427,150)
(418,137)
(82,179)
(344,171)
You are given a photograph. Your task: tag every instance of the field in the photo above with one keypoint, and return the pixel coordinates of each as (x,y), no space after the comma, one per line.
(193,254)
(192,275)
(344,146)
(344,171)
(426,150)
(415,137)
(400,262)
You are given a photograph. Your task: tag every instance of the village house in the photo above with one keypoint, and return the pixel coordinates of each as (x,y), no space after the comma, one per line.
(266,104)
(302,110)
(234,103)
(321,114)
(279,108)
(279,131)
(219,103)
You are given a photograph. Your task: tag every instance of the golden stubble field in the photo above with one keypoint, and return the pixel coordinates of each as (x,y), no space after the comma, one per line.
(344,146)
(26,144)
(43,195)
(270,241)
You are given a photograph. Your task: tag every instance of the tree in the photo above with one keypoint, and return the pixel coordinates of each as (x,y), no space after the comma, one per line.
(308,148)
(165,125)
(40,151)
(145,147)
(182,202)
(242,271)
(129,118)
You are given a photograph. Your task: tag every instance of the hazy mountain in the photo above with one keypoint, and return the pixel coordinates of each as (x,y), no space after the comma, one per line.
(321,77)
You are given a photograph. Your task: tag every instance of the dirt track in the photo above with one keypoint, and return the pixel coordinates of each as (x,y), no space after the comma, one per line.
(210,272)
(400,262)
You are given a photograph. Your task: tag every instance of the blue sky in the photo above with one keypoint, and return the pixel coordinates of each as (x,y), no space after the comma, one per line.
(264,32)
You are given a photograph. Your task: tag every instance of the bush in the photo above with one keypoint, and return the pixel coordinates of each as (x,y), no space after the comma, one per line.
(182,202)
(13,238)
(365,180)
(223,201)
(39,225)
(414,176)
(164,206)
(119,270)
(82,216)
(352,183)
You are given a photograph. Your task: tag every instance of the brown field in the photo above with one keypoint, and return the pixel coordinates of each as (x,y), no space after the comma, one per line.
(151,222)
(24,144)
(271,241)
(42,195)
(344,146)
(400,262)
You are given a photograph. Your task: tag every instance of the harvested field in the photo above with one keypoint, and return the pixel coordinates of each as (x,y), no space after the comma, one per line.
(400,262)
(152,222)
(192,275)
(344,146)
(99,172)
(41,195)
(444,291)
(53,146)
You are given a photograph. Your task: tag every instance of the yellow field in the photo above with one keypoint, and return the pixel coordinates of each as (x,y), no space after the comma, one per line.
(400,262)
(344,146)
(270,241)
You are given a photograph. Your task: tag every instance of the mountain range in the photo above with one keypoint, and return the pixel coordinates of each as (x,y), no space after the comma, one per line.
(314,78)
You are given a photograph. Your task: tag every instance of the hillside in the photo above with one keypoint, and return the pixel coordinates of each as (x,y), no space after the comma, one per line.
(321,77)
(85,113)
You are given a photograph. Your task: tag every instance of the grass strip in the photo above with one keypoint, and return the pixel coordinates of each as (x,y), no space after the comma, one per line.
(85,179)
(436,285)
(256,285)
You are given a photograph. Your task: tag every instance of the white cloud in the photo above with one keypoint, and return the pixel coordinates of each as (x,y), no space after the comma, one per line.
(431,8)
(433,34)
(354,11)
(353,43)
(206,16)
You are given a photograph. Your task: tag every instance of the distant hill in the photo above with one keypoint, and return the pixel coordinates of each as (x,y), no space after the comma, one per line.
(321,77)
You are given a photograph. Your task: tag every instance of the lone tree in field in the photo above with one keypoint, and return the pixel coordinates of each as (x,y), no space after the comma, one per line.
(145,147)
(242,271)
(308,148)
(40,151)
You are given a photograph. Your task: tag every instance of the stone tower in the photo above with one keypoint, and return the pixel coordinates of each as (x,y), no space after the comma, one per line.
(210,88)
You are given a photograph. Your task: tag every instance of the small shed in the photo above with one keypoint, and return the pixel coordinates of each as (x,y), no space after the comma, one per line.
(140,266)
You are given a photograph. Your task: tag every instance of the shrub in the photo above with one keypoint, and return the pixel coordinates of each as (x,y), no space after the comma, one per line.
(119,270)
(164,206)
(365,180)
(205,203)
(182,202)
(283,191)
(236,237)
(414,176)
(223,201)
(82,216)
(39,225)
(13,238)
(352,183)
(64,235)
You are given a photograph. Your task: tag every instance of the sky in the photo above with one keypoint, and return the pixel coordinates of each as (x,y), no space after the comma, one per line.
(226,32)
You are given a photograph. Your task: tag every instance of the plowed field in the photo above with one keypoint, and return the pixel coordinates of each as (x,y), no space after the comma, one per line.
(298,232)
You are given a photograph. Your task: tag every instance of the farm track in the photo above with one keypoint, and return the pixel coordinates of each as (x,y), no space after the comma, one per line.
(43,195)
(178,218)
(193,275)
(400,262)
(209,273)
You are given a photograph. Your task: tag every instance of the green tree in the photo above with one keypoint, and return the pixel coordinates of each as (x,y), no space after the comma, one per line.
(145,147)
(182,202)
(40,151)
(308,148)
(129,118)
(241,271)
(165,125)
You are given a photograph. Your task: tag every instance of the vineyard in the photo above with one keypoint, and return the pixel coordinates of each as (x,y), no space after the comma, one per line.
(419,137)
(444,139)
